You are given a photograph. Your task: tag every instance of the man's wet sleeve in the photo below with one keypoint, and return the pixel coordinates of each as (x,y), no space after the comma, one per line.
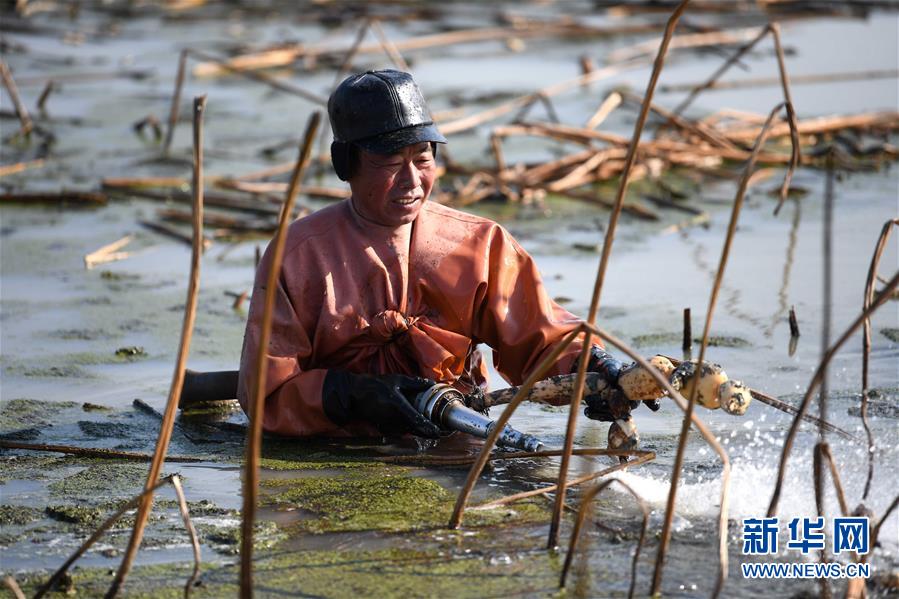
(293,399)
(516,316)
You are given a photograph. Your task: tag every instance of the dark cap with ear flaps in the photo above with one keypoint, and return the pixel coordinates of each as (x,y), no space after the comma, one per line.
(381,111)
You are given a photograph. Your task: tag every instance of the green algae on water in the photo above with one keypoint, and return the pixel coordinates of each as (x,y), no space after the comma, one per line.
(103,479)
(662,339)
(75,514)
(386,502)
(29,413)
(18,515)
(489,568)
(387,499)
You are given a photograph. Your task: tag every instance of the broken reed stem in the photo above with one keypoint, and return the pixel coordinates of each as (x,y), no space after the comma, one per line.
(579,522)
(190,312)
(857,586)
(718,73)
(490,442)
(790,409)
(755,82)
(875,532)
(827,292)
(685,427)
(866,343)
(641,456)
(192,533)
(822,452)
(794,323)
(176,100)
(13,586)
(703,430)
(257,405)
(263,78)
(432,460)
(791,118)
(472,121)
(18,167)
(609,237)
(612,101)
(42,99)
(687,345)
(392,53)
(818,476)
(26,125)
(109,250)
(341,73)
(92,452)
(95,536)
(813,385)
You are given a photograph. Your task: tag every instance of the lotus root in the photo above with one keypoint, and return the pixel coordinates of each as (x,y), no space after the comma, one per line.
(638,384)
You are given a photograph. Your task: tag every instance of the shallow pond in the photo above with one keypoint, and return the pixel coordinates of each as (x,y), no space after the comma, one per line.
(61,325)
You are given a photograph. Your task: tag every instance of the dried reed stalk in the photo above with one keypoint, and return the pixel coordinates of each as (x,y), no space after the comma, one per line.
(608,239)
(579,522)
(286,56)
(640,457)
(697,128)
(107,524)
(816,380)
(92,452)
(264,78)
(87,198)
(755,82)
(102,254)
(472,121)
(791,117)
(26,124)
(790,409)
(478,467)
(223,64)
(345,66)
(827,294)
(176,100)
(823,453)
(190,311)
(685,427)
(466,460)
(690,40)
(192,533)
(866,343)
(703,430)
(612,101)
(18,167)
(257,405)
(13,587)
(825,124)
(389,48)
(45,95)
(856,588)
(718,73)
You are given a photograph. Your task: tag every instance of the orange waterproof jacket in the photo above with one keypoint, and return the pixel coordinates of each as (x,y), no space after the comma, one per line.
(338,305)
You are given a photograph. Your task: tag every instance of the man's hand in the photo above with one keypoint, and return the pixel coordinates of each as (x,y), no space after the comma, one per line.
(383,400)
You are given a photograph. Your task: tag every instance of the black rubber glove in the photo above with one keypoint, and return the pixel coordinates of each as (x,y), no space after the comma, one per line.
(610,405)
(383,400)
(603,363)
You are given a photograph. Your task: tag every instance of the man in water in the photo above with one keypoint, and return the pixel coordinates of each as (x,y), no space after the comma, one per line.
(387,293)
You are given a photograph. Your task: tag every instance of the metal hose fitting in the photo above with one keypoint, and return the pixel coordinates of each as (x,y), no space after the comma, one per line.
(445,406)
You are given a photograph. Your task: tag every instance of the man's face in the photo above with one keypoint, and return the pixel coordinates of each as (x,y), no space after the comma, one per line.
(390,189)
